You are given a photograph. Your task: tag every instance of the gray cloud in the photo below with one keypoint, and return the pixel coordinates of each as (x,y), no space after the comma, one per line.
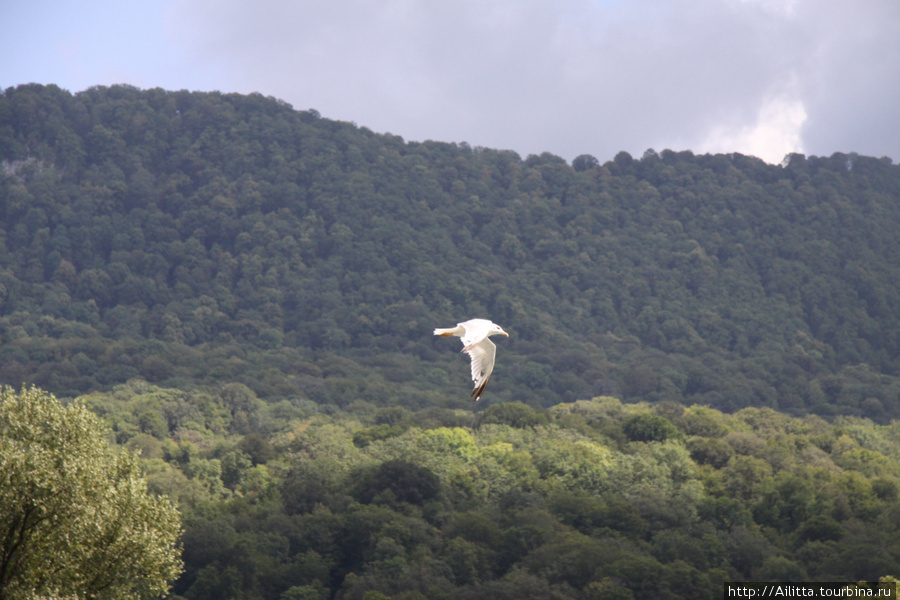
(572,76)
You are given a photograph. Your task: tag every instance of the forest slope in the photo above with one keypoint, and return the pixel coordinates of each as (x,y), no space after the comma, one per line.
(202,237)
(587,500)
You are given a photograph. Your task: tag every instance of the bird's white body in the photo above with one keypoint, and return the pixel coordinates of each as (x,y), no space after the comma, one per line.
(474,334)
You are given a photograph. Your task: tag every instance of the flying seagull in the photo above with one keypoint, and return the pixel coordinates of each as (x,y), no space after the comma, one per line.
(481,350)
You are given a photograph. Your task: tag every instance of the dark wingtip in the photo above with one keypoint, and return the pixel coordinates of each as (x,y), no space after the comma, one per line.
(478,391)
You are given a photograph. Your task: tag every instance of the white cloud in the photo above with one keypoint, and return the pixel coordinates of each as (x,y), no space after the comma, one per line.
(779,7)
(776,131)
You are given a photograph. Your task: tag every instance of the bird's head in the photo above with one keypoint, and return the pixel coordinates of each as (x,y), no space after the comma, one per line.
(496,329)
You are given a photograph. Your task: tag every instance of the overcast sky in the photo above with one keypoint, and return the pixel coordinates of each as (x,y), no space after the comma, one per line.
(760,77)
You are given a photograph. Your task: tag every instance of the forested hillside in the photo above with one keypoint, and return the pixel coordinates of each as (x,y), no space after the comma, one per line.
(700,384)
(194,238)
(590,500)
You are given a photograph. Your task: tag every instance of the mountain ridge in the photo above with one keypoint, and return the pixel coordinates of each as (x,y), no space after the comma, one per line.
(189,238)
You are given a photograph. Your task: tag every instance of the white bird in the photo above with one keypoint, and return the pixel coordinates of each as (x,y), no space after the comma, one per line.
(481,350)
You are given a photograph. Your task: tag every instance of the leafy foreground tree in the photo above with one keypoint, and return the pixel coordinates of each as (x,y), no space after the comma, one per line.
(76,520)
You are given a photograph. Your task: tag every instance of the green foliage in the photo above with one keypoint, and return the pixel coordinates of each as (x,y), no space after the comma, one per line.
(514,414)
(648,428)
(245,293)
(201,238)
(563,508)
(400,481)
(75,516)
(710,451)
(364,437)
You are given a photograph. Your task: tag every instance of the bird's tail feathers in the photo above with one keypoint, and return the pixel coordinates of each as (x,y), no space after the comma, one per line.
(444,332)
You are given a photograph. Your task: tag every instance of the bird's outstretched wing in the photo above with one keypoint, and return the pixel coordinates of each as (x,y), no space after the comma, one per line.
(482,354)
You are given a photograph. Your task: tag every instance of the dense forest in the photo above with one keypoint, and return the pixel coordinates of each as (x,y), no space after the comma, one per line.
(588,500)
(186,238)
(701,383)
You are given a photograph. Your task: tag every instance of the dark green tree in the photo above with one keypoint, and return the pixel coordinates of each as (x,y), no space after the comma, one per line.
(75,515)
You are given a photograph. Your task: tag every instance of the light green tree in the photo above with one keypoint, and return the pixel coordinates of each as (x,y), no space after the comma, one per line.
(76,520)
